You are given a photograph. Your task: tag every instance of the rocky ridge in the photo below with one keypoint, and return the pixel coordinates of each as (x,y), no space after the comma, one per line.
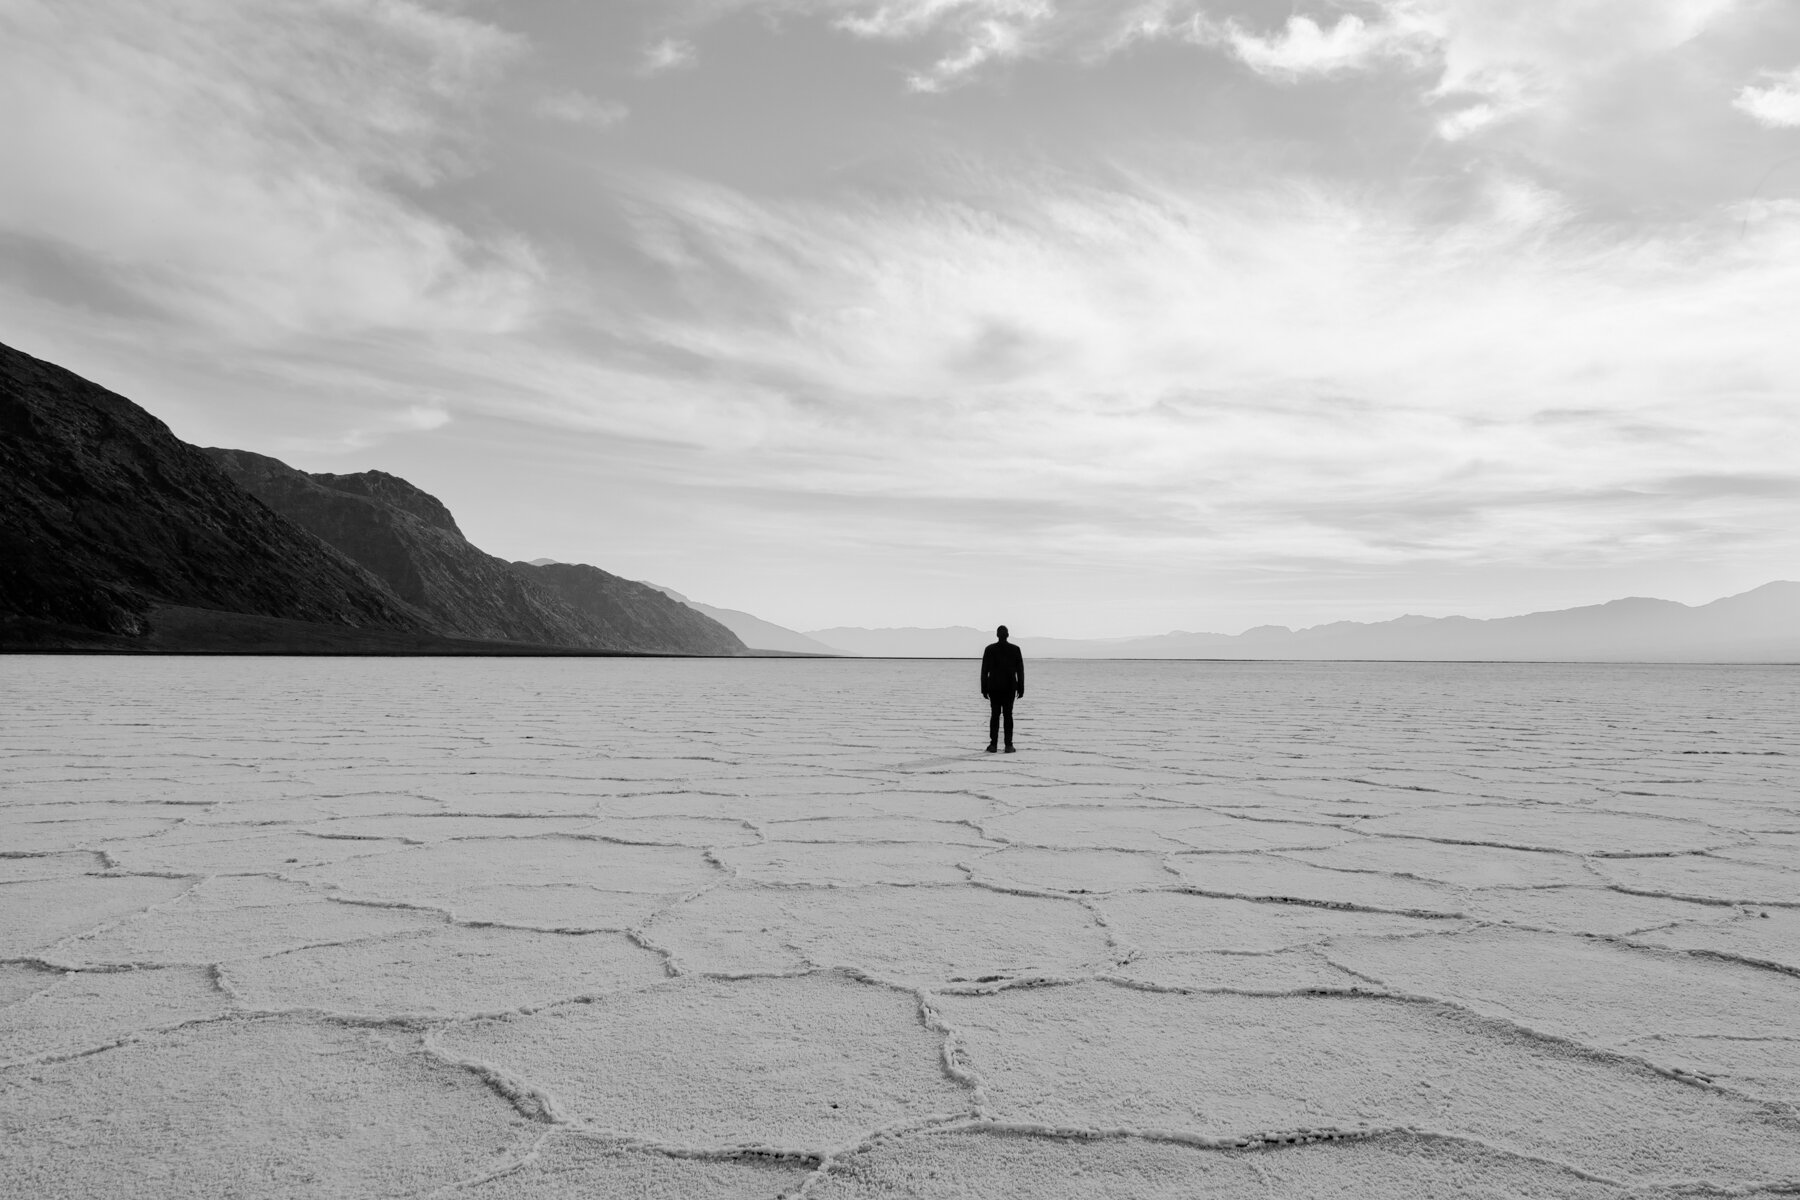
(409,540)
(117,535)
(105,515)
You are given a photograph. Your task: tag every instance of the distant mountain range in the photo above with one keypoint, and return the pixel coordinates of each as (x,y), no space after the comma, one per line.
(754,631)
(117,535)
(1762,625)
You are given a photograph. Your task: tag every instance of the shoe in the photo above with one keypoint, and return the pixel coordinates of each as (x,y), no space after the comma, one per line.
(991,748)
(1010,750)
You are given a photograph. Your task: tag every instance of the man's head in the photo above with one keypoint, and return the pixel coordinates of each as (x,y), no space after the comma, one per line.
(1000,633)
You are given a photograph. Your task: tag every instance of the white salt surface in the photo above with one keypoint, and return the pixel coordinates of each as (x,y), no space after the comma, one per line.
(672,928)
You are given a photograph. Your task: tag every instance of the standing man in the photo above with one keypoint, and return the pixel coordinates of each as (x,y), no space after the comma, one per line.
(1002,680)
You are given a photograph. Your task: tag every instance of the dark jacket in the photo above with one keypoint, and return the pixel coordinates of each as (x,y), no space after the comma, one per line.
(1002,671)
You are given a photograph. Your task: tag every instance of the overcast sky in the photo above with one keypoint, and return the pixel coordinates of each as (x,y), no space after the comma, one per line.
(1098,318)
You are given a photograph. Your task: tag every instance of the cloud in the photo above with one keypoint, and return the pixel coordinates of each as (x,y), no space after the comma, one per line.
(1466,121)
(1182,362)
(579,108)
(1496,59)
(372,429)
(1517,55)
(668,54)
(256,166)
(1774,102)
(981,31)
(1304,47)
(988,42)
(1486,60)
(914,18)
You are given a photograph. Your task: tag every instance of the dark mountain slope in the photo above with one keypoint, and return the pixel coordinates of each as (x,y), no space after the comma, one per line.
(105,515)
(608,602)
(409,540)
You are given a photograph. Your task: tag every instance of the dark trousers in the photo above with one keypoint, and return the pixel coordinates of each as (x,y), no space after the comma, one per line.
(999,705)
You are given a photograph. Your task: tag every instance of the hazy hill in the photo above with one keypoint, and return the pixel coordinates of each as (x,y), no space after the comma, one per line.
(1757,626)
(409,540)
(752,630)
(1762,625)
(105,515)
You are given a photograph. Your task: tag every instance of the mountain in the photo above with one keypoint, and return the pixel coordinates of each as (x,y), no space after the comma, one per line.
(626,610)
(1761,625)
(106,516)
(754,631)
(117,535)
(407,538)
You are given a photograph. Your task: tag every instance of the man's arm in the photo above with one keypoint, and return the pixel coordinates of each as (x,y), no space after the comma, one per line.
(986,655)
(1019,674)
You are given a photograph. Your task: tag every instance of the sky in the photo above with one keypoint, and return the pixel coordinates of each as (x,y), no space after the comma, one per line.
(1099,319)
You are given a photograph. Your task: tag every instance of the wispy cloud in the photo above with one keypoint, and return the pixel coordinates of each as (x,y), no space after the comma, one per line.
(1073,347)
(579,108)
(371,429)
(1481,61)
(981,31)
(1491,59)
(247,165)
(1514,56)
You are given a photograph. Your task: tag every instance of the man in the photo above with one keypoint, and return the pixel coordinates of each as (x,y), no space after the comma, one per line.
(1002,680)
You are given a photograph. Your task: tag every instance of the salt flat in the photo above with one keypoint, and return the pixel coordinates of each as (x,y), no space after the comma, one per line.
(750,928)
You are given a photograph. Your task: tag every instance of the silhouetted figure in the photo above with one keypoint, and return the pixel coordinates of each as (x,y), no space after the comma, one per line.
(1002,681)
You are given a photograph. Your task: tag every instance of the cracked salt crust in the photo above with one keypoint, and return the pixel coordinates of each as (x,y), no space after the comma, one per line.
(72,1012)
(273,1108)
(988,1165)
(1461,866)
(443,972)
(227,850)
(309,928)
(893,830)
(1570,988)
(1230,1065)
(655,830)
(48,836)
(1693,877)
(1075,871)
(441,870)
(39,913)
(1273,973)
(1546,827)
(1267,876)
(1593,910)
(778,1064)
(1165,922)
(227,917)
(849,864)
(573,1166)
(1766,937)
(49,866)
(447,827)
